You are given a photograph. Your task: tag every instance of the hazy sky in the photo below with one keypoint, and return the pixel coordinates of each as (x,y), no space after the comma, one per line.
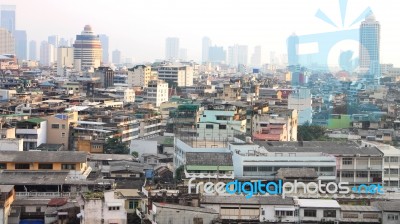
(139,28)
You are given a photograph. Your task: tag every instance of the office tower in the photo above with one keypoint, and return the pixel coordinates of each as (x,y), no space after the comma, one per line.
(87,50)
(7,42)
(65,59)
(20,44)
(172,48)
(206,43)
(106,75)
(116,57)
(46,53)
(54,40)
(105,47)
(292,47)
(183,54)
(237,55)
(7,17)
(256,57)
(32,50)
(370,47)
(63,43)
(216,54)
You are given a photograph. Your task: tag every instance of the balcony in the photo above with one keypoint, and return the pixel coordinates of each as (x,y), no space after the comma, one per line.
(209,175)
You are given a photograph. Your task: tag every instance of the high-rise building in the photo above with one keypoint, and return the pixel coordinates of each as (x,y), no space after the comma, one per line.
(106,75)
(7,17)
(32,50)
(54,40)
(216,54)
(7,42)
(176,75)
(256,57)
(237,55)
(105,46)
(63,43)
(183,54)
(370,47)
(65,59)
(21,44)
(171,48)
(292,47)
(116,57)
(87,50)
(206,44)
(301,101)
(46,53)
(157,92)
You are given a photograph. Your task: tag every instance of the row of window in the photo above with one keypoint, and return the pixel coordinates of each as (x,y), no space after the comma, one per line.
(349,161)
(313,213)
(57,126)
(276,168)
(361,174)
(41,166)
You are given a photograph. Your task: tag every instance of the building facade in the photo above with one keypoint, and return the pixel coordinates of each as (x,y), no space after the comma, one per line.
(87,50)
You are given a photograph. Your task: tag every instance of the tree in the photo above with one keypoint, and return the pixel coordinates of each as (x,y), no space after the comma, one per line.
(179,173)
(309,132)
(135,154)
(116,146)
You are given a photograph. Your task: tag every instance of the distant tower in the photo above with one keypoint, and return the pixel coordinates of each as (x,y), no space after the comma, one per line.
(256,57)
(6,42)
(87,50)
(171,48)
(7,17)
(21,44)
(206,44)
(116,57)
(105,46)
(370,47)
(46,53)
(292,47)
(32,50)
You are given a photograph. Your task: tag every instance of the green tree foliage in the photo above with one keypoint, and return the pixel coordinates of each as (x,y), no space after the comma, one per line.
(309,132)
(135,154)
(179,173)
(115,146)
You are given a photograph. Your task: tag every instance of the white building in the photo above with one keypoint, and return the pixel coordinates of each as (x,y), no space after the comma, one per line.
(46,53)
(33,131)
(7,94)
(315,210)
(178,74)
(102,208)
(11,144)
(301,101)
(127,95)
(65,60)
(139,76)
(157,92)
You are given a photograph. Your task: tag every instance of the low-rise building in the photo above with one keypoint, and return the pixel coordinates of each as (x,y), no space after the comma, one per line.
(316,210)
(33,131)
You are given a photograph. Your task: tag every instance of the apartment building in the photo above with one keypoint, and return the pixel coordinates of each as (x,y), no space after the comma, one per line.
(33,131)
(59,128)
(140,75)
(179,75)
(157,92)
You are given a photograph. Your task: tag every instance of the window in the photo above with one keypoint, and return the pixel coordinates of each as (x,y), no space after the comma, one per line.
(376,174)
(347,161)
(394,171)
(22,166)
(113,208)
(310,213)
(326,169)
(44,166)
(68,166)
(393,217)
(131,205)
(3,166)
(386,159)
(250,168)
(362,173)
(222,126)
(370,216)
(264,168)
(209,126)
(263,212)
(63,126)
(394,159)
(55,126)
(63,135)
(330,213)
(348,215)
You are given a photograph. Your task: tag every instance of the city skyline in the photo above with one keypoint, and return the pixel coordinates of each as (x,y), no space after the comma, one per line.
(261,24)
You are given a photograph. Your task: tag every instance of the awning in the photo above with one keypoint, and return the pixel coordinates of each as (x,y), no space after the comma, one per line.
(64,213)
(284,209)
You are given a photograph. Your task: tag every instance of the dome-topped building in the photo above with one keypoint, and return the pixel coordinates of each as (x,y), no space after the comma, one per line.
(87,50)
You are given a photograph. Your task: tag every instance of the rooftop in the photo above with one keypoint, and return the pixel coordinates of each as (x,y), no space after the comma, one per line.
(318,203)
(42,156)
(187,208)
(33,178)
(297,172)
(328,147)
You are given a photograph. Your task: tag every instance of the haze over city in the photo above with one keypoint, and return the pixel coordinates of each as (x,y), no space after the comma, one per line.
(138,29)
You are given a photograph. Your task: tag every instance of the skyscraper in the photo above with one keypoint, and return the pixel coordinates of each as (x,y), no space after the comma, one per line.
(206,43)
(65,59)
(116,57)
(21,44)
(183,54)
(237,55)
(171,48)
(216,54)
(87,50)
(292,47)
(46,53)
(256,57)
(55,41)
(32,50)
(7,17)
(105,47)
(370,47)
(7,42)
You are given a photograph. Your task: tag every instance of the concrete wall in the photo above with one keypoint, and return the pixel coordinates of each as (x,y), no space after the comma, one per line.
(170,215)
(11,144)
